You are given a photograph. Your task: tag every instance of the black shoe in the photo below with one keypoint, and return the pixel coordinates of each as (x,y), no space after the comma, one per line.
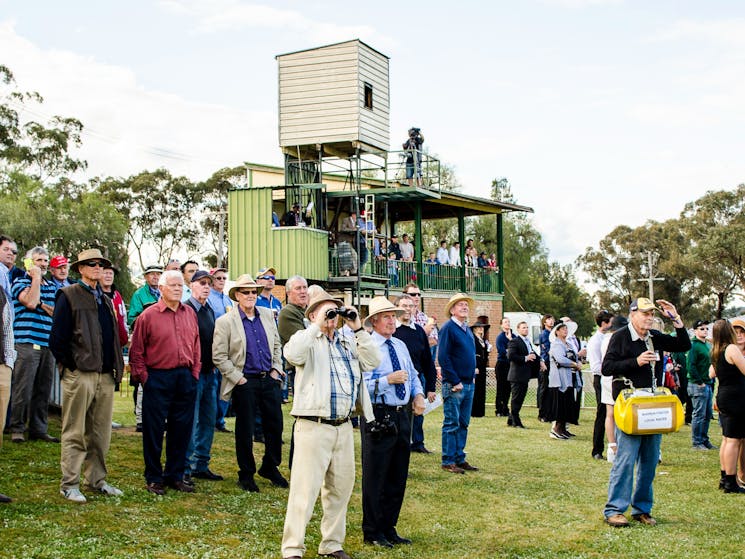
(248,485)
(208,474)
(156,488)
(568,434)
(275,477)
(223,429)
(509,421)
(378,542)
(395,539)
(187,480)
(421,450)
(598,456)
(5,499)
(46,437)
(138,429)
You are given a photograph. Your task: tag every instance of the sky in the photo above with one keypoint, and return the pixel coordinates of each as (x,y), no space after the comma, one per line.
(599,112)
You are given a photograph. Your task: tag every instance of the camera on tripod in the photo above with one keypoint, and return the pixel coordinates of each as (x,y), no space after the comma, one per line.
(344,312)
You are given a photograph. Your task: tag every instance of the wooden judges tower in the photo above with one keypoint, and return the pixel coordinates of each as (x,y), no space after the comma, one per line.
(334,132)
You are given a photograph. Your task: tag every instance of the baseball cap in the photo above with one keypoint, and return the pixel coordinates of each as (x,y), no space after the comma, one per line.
(268,271)
(200,274)
(213,271)
(58,261)
(700,323)
(642,304)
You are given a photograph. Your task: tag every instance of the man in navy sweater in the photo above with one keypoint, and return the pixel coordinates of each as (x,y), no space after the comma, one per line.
(457,357)
(417,343)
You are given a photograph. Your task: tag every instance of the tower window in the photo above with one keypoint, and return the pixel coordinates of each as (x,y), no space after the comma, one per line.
(368,96)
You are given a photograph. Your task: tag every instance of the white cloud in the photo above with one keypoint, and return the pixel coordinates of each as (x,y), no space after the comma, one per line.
(129,128)
(727,32)
(221,15)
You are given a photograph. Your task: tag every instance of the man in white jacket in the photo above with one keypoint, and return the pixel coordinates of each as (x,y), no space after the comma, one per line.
(328,391)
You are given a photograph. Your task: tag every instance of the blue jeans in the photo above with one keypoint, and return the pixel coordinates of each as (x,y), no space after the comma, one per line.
(203,431)
(642,451)
(457,410)
(701,398)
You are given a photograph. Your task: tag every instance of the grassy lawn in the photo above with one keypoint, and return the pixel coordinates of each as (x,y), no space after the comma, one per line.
(534,497)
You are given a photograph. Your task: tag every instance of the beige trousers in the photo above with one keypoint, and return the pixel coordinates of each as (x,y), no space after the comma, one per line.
(87,409)
(5,375)
(323,463)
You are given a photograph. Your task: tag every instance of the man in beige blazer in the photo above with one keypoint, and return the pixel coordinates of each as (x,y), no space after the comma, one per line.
(247,351)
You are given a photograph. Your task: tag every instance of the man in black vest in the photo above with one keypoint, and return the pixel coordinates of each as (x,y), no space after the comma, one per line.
(85,342)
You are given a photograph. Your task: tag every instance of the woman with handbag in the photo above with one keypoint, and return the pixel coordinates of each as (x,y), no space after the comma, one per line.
(562,395)
(729,366)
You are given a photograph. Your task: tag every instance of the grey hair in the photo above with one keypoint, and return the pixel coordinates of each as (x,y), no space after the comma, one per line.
(289,284)
(37,250)
(168,274)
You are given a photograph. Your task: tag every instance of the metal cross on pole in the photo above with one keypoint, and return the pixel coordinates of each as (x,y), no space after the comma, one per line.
(652,258)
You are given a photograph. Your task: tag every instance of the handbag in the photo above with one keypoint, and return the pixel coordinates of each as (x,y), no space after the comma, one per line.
(648,411)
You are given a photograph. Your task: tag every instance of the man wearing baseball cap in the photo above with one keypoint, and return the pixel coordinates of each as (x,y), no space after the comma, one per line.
(700,386)
(635,353)
(59,270)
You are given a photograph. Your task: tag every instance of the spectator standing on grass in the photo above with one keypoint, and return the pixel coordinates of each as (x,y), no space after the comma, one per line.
(606,396)
(198,454)
(562,394)
(248,352)
(59,270)
(633,353)
(329,391)
(7,360)
(700,387)
(501,402)
(221,304)
(33,300)
(417,342)
(188,269)
(729,367)
(483,347)
(594,354)
(525,363)
(8,252)
(109,289)
(396,392)
(456,354)
(86,341)
(165,356)
(428,323)
(547,324)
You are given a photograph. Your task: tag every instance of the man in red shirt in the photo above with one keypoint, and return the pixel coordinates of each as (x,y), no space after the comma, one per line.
(165,355)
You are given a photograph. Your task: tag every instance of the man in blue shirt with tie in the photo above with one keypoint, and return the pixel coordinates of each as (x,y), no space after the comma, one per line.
(393,385)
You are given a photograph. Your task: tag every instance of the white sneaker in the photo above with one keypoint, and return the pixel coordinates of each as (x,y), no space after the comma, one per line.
(611,454)
(110,490)
(73,494)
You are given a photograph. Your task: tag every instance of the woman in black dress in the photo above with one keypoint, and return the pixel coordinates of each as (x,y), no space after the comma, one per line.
(480,333)
(729,366)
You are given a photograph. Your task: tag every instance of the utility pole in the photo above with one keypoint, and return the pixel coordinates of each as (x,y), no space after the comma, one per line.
(221,233)
(652,258)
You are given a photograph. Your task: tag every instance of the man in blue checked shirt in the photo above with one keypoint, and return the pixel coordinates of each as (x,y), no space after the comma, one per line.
(395,390)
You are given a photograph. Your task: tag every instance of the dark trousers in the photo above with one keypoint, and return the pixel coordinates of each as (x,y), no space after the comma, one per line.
(417,427)
(684,398)
(598,432)
(501,406)
(540,398)
(385,467)
(264,394)
(518,392)
(167,406)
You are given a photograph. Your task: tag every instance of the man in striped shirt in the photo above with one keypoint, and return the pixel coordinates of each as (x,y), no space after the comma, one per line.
(33,301)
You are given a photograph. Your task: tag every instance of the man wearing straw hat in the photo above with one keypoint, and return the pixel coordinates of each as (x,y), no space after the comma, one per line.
(247,350)
(394,387)
(457,357)
(85,342)
(328,391)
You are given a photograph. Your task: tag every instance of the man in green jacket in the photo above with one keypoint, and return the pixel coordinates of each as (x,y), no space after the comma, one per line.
(700,386)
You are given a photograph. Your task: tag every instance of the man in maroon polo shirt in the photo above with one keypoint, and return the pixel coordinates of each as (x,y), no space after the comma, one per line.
(165,355)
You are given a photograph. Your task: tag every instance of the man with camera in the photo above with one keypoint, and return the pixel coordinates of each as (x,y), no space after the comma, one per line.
(413,149)
(396,391)
(328,391)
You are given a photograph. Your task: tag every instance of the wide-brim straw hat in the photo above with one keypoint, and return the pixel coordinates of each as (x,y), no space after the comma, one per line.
(244,280)
(89,254)
(571,329)
(457,298)
(381,304)
(319,297)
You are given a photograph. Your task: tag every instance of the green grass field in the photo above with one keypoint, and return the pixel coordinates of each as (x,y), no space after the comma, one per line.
(534,497)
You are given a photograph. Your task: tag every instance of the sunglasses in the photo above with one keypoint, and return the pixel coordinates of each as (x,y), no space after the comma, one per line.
(417,294)
(93,264)
(14,251)
(248,291)
(220,278)
(266,277)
